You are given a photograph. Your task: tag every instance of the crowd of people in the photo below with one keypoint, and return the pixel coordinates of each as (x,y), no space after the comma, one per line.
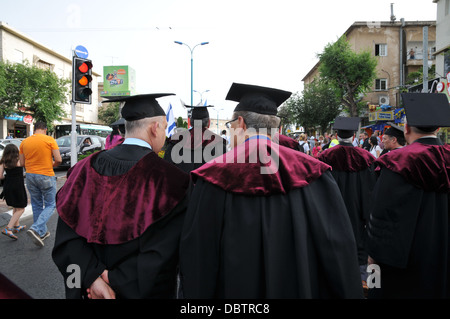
(315,145)
(273,217)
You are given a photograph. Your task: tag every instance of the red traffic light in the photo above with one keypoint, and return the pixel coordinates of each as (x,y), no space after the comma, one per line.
(85,67)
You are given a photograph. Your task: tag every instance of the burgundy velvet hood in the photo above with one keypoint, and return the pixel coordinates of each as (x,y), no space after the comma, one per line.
(286,141)
(424,166)
(240,170)
(347,158)
(95,207)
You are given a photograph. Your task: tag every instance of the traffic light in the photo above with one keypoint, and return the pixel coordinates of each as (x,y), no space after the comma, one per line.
(81,80)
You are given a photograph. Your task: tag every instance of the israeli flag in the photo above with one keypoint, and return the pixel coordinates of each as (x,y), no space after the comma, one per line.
(171,125)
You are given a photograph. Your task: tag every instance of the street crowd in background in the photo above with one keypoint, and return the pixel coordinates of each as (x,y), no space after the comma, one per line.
(315,145)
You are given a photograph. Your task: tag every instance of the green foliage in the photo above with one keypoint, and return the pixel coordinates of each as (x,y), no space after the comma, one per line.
(25,88)
(348,72)
(415,78)
(317,106)
(181,123)
(108,113)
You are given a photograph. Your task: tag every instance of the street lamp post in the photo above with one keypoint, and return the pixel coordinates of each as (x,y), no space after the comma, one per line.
(201,95)
(192,65)
(218,110)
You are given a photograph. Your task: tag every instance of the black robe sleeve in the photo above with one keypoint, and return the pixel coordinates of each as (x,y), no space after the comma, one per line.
(298,245)
(71,249)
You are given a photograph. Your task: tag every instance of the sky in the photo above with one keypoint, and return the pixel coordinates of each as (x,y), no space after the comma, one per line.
(260,42)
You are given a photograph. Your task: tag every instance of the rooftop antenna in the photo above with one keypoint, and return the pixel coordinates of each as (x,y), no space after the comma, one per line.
(392,13)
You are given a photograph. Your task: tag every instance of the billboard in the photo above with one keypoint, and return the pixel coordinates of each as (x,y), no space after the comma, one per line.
(118,80)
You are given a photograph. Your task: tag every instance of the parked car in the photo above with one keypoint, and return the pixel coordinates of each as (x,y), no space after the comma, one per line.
(4,142)
(83,146)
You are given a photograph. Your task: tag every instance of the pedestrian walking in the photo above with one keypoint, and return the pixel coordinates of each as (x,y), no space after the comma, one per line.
(254,227)
(121,212)
(116,136)
(39,154)
(14,192)
(407,235)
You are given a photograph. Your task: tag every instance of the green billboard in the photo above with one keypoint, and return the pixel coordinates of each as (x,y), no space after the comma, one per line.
(118,80)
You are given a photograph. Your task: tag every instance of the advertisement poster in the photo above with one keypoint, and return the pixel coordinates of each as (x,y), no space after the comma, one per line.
(118,80)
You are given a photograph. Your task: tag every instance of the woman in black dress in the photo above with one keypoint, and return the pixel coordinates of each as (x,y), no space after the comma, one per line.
(13,189)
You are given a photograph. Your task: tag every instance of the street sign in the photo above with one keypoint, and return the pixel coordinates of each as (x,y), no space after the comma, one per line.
(81,52)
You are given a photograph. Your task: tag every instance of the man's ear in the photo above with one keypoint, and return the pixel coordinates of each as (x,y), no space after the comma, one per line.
(154,127)
(242,123)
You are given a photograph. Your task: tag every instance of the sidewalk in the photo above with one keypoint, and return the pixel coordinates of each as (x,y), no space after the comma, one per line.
(6,211)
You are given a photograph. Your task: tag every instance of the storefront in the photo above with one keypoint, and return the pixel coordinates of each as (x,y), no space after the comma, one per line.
(16,126)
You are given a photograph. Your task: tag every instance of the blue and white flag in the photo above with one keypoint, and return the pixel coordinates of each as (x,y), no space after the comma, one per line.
(171,125)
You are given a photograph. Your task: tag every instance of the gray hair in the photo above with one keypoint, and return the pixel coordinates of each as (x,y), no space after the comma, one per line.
(131,127)
(258,121)
(205,121)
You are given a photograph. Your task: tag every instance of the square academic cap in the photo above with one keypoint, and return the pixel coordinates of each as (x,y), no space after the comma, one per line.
(199,111)
(258,99)
(394,130)
(140,106)
(346,126)
(426,111)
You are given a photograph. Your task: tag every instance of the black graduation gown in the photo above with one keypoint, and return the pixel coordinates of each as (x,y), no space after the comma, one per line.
(145,267)
(408,231)
(254,242)
(198,149)
(355,177)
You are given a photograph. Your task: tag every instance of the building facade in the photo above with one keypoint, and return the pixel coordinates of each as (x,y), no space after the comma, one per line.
(16,47)
(398,47)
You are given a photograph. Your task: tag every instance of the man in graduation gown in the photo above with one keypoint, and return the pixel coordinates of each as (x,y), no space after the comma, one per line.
(393,138)
(189,150)
(121,213)
(408,231)
(266,221)
(355,176)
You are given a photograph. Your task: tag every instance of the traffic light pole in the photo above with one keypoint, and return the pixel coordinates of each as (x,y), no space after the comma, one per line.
(73,137)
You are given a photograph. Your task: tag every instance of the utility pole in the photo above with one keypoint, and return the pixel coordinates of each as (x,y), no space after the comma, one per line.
(425,60)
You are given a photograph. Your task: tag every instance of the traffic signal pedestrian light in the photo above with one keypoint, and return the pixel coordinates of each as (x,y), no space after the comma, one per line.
(81,80)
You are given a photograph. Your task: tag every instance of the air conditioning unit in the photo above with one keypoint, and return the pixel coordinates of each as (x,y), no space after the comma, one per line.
(383,100)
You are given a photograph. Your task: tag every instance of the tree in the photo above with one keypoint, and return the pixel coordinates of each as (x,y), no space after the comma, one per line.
(317,106)
(350,73)
(181,123)
(29,89)
(109,112)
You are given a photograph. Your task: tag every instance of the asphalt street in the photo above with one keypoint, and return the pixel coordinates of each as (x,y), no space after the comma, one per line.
(31,267)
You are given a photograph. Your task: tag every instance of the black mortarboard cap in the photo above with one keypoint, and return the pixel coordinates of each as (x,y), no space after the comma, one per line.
(346,126)
(394,130)
(426,111)
(140,106)
(119,122)
(199,111)
(258,99)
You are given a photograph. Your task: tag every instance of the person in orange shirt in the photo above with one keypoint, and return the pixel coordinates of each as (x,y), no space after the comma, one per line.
(39,154)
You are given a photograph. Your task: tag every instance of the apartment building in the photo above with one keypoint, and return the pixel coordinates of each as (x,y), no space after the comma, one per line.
(398,46)
(17,47)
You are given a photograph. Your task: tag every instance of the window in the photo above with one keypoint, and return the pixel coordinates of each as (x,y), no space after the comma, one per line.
(380,49)
(447,7)
(380,84)
(18,56)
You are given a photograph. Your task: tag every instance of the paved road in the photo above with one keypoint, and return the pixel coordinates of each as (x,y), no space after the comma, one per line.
(27,265)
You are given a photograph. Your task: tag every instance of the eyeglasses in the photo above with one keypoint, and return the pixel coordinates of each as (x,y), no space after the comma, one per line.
(228,124)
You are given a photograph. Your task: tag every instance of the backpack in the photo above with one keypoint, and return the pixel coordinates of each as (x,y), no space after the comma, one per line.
(301,148)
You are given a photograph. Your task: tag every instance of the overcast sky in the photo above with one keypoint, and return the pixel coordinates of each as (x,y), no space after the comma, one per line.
(268,43)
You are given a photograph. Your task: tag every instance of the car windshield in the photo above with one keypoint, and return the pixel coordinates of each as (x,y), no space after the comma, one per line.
(65,141)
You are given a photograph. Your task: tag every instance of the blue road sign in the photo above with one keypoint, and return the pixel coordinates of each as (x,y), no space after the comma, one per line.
(81,52)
